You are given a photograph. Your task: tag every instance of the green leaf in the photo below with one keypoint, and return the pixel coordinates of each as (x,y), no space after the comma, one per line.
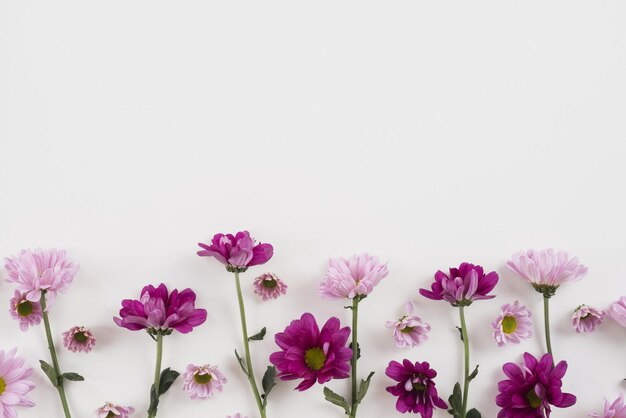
(473,413)
(154,401)
(168,377)
(460,332)
(473,375)
(50,372)
(269,380)
(242,363)
(336,399)
(259,336)
(358,350)
(363,387)
(456,401)
(74,377)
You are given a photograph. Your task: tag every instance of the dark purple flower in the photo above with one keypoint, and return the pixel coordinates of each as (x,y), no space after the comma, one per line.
(237,252)
(532,387)
(310,354)
(415,389)
(157,310)
(463,285)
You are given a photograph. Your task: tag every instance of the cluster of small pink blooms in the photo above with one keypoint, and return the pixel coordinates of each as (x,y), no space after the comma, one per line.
(79,339)
(237,415)
(617,311)
(352,277)
(109,410)
(37,271)
(14,383)
(201,382)
(410,330)
(586,318)
(615,409)
(512,325)
(26,312)
(269,286)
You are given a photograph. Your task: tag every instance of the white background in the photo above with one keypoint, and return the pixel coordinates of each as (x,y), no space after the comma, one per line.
(425,133)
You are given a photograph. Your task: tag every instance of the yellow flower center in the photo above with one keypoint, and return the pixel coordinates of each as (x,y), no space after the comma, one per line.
(509,324)
(3,386)
(270,284)
(407,330)
(202,379)
(533,399)
(111,415)
(25,308)
(80,337)
(315,358)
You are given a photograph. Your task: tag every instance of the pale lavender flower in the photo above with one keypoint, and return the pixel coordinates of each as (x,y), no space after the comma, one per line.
(586,318)
(26,312)
(15,383)
(79,339)
(617,311)
(410,330)
(201,382)
(352,277)
(109,410)
(512,325)
(617,409)
(269,286)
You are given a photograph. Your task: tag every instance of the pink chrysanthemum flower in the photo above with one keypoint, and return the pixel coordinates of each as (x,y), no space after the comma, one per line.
(617,409)
(237,415)
(237,252)
(26,312)
(41,270)
(14,383)
(353,277)
(109,410)
(201,382)
(462,285)
(617,311)
(410,330)
(269,286)
(586,318)
(512,325)
(79,339)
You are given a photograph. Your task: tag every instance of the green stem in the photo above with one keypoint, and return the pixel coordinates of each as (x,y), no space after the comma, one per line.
(53,354)
(546,320)
(246,345)
(157,368)
(467,359)
(355,353)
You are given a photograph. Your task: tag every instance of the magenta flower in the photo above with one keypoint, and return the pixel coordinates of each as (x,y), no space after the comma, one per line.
(353,277)
(512,325)
(410,330)
(617,311)
(269,286)
(26,312)
(415,389)
(14,383)
(546,269)
(201,382)
(36,271)
(157,310)
(617,409)
(79,339)
(532,388)
(462,286)
(109,410)
(586,318)
(310,354)
(237,252)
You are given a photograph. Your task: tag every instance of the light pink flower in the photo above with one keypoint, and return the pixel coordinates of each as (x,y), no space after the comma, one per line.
(617,409)
(617,311)
(410,330)
(14,383)
(546,267)
(79,339)
(109,410)
(269,286)
(237,415)
(586,318)
(26,312)
(349,278)
(41,270)
(512,325)
(201,382)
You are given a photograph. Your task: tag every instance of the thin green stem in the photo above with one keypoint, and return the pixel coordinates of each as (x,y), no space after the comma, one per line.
(467,359)
(355,354)
(157,368)
(53,354)
(546,320)
(246,345)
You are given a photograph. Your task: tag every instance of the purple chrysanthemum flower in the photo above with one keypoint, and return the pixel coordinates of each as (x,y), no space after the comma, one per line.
(15,383)
(269,286)
(109,410)
(36,271)
(79,339)
(532,388)
(352,277)
(463,285)
(28,313)
(415,389)
(157,310)
(237,252)
(310,354)
(586,318)
(617,311)
(512,325)
(201,382)
(410,330)
(616,409)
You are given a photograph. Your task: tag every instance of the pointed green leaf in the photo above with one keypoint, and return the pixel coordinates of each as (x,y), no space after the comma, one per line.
(50,372)
(242,363)
(358,350)
(168,377)
(473,375)
(363,387)
(473,413)
(456,401)
(154,401)
(258,336)
(74,377)
(460,332)
(336,399)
